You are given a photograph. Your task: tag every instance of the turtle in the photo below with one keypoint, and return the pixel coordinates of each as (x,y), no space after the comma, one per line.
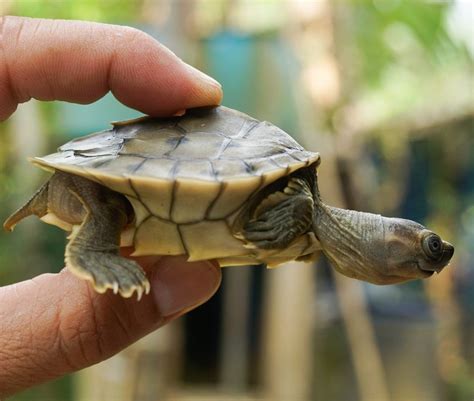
(212,184)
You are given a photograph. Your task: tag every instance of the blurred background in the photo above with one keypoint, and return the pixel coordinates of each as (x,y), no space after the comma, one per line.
(384,89)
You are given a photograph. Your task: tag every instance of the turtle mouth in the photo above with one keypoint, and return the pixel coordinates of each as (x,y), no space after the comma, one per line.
(429,266)
(425,272)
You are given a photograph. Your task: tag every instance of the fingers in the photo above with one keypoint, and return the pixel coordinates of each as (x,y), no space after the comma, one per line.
(80,61)
(56,324)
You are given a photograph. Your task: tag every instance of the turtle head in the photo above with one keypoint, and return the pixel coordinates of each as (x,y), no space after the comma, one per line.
(411,250)
(380,250)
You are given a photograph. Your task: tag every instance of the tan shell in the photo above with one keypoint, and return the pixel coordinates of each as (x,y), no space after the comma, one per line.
(186,177)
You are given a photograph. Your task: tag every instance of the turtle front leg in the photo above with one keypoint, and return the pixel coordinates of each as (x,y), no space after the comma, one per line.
(93,249)
(282,217)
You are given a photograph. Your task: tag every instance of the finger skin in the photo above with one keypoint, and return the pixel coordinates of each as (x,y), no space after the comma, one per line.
(79,62)
(55,324)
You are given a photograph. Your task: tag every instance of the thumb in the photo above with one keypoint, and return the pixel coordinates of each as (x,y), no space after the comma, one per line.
(55,324)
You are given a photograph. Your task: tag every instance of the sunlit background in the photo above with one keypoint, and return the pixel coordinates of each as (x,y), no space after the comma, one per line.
(384,90)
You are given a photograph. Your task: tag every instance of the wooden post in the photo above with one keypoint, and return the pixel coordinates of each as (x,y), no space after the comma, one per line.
(288,333)
(235,337)
(145,371)
(27,139)
(326,88)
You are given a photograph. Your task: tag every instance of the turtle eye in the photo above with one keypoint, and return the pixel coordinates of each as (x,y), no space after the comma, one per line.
(432,246)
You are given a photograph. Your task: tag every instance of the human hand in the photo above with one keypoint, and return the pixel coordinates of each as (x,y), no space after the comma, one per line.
(55,324)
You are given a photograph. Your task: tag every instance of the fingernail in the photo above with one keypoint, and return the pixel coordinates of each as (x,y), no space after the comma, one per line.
(179,286)
(202,76)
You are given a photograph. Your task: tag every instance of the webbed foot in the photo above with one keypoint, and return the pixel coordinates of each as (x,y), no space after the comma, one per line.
(107,270)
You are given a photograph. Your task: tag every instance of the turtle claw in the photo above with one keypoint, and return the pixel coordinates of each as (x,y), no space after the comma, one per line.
(239,235)
(147,287)
(139,289)
(143,290)
(105,270)
(139,293)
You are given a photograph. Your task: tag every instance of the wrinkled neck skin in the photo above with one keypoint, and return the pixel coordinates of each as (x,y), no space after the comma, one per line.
(371,247)
(375,248)
(354,242)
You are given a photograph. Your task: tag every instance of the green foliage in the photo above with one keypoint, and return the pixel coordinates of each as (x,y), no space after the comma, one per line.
(61,389)
(392,30)
(104,11)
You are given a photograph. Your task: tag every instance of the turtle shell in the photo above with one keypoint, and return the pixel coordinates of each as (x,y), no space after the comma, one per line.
(183,173)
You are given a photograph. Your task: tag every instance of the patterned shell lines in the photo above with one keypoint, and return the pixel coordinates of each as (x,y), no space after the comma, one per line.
(185,170)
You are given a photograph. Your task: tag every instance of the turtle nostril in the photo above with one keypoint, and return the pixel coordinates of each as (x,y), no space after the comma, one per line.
(448,250)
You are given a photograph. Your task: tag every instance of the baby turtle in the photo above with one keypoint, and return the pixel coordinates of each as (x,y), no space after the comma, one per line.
(212,184)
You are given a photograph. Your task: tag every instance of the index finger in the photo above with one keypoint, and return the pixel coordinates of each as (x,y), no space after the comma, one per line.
(81,61)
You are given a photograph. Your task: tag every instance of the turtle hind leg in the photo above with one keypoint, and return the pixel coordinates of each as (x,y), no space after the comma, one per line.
(38,205)
(93,249)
